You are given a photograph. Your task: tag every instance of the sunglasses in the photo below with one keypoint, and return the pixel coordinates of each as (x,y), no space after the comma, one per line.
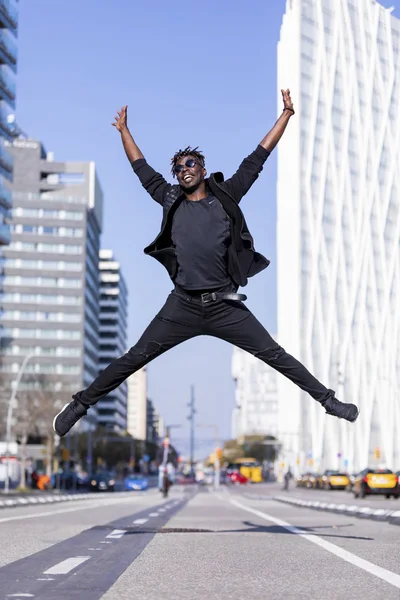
(191,162)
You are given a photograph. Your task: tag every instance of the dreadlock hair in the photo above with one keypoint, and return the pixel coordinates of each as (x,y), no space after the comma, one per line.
(188,151)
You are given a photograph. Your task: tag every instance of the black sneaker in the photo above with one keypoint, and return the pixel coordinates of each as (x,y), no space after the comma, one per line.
(341,410)
(68,416)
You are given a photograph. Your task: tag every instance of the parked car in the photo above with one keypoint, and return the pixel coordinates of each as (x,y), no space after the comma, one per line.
(376,481)
(185,478)
(350,485)
(236,477)
(102,482)
(335,480)
(306,479)
(136,482)
(68,480)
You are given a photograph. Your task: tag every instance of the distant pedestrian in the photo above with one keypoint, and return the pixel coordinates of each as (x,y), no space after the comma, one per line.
(208,251)
(286,479)
(166,459)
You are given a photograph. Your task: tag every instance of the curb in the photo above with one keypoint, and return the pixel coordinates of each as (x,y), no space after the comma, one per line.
(52,499)
(361,512)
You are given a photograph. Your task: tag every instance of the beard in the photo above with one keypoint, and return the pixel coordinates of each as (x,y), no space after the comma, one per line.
(190,189)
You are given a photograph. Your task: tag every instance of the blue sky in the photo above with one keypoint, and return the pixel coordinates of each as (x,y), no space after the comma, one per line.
(198,73)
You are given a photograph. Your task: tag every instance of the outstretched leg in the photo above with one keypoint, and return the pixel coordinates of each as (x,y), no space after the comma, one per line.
(237,325)
(172,325)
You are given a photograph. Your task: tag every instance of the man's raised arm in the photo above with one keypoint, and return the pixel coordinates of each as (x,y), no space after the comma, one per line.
(272,138)
(121,124)
(240,183)
(153,182)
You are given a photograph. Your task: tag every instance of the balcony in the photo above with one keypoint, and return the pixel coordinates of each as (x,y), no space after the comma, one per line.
(5,194)
(6,162)
(8,49)
(7,85)
(9,15)
(5,235)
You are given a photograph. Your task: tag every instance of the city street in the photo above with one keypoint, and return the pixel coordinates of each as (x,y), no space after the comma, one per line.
(198,543)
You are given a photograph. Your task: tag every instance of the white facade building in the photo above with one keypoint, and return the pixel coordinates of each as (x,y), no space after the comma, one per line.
(137,405)
(256,410)
(339,229)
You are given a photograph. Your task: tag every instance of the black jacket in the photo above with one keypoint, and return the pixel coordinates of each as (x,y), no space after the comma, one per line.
(171,458)
(243,260)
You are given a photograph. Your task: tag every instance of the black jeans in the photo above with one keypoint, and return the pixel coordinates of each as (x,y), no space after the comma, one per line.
(183,317)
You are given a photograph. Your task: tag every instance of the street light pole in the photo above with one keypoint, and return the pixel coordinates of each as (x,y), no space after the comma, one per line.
(9,417)
(191,419)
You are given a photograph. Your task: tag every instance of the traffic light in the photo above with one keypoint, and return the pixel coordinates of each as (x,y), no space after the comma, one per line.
(218,453)
(377,453)
(64,454)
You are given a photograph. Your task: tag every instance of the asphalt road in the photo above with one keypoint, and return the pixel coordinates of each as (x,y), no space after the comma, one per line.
(233,543)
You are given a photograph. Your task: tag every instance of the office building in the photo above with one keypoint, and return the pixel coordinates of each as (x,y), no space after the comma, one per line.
(50,297)
(256,399)
(339,229)
(137,405)
(8,68)
(144,421)
(112,410)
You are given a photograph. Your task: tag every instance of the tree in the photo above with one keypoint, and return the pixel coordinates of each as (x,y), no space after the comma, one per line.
(33,415)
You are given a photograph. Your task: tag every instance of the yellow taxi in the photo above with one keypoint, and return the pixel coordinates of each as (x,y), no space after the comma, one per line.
(334,480)
(376,481)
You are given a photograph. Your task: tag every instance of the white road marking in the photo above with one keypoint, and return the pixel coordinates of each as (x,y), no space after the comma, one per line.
(116,534)
(161,510)
(105,542)
(66,566)
(45,579)
(68,510)
(153,514)
(140,521)
(20,595)
(385,574)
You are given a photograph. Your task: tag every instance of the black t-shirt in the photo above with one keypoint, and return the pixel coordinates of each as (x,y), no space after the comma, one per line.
(201,235)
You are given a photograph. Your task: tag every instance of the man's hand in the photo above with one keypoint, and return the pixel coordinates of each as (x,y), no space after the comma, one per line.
(287,101)
(121,123)
(121,120)
(272,138)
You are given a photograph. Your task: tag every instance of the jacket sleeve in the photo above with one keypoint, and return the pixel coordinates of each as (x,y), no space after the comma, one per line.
(240,183)
(153,182)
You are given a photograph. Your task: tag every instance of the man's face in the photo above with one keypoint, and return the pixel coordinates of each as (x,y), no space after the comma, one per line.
(189,178)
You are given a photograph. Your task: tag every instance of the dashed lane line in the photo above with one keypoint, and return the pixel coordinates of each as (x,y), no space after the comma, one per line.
(116,534)
(66,565)
(388,576)
(140,521)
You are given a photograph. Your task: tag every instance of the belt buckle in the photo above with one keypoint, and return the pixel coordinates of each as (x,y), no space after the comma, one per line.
(208,297)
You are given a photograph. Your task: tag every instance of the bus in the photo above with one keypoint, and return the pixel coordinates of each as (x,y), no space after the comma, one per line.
(249,467)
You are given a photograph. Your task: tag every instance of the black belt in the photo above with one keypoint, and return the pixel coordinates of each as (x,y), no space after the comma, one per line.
(214,296)
(208,297)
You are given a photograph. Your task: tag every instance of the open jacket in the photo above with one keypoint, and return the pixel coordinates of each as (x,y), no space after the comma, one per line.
(242,259)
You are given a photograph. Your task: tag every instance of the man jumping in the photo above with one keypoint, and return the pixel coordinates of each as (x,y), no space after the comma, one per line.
(208,251)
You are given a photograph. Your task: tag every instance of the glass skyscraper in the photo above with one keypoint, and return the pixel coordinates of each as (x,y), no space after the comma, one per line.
(339,229)
(8,67)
